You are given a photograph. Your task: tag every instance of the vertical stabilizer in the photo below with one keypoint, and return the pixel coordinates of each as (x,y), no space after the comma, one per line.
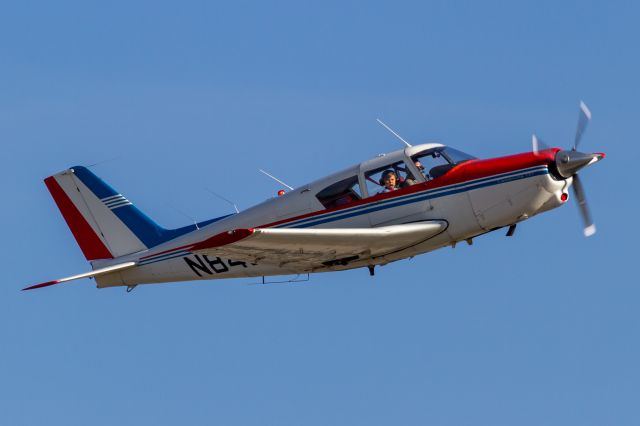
(103,221)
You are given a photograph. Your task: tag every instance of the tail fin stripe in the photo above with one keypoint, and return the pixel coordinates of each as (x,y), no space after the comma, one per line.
(118,201)
(120,205)
(92,247)
(113,196)
(107,199)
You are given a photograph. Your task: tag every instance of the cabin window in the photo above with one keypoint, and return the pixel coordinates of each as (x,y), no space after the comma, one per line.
(340,193)
(388,178)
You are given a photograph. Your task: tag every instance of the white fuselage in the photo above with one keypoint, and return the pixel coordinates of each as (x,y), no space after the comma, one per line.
(470,208)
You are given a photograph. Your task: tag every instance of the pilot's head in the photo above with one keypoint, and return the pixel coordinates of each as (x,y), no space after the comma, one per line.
(388,179)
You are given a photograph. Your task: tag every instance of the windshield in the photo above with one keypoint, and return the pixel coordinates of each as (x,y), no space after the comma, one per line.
(435,162)
(456,157)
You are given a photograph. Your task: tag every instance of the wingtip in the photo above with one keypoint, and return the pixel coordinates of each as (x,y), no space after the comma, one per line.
(45,284)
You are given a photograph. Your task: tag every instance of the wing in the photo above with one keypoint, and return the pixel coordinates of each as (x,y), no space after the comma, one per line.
(316,248)
(94,273)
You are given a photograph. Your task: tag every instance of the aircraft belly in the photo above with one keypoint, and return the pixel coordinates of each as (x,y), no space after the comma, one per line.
(189,268)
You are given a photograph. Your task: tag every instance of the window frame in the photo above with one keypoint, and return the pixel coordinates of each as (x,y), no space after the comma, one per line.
(408,164)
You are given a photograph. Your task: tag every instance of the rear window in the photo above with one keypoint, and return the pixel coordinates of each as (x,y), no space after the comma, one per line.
(340,193)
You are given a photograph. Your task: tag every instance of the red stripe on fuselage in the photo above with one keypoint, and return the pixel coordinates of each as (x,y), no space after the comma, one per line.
(92,247)
(218,240)
(223,239)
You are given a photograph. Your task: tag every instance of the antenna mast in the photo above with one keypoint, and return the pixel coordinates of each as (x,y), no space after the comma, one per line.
(393,133)
(276,179)
(223,199)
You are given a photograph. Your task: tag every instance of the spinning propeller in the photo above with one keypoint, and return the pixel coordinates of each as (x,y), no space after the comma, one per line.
(569,162)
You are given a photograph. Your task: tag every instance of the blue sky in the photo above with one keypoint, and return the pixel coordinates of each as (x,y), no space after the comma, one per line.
(173,98)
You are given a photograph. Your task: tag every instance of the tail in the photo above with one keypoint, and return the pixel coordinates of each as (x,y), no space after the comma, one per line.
(105,224)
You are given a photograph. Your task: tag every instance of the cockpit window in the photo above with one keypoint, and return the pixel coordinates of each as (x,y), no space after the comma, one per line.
(340,193)
(435,162)
(455,156)
(388,178)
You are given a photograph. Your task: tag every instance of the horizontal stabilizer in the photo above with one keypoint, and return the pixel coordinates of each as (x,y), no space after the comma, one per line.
(101,271)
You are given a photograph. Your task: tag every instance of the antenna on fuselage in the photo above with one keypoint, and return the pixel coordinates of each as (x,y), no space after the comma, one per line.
(276,179)
(393,133)
(195,222)
(223,199)
(104,161)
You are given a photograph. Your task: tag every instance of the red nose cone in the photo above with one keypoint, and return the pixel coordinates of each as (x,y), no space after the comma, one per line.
(281,193)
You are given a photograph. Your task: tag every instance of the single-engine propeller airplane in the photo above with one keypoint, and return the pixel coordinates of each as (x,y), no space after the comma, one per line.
(391,207)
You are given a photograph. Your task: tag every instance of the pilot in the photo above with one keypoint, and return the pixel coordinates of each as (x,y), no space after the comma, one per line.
(411,180)
(389,181)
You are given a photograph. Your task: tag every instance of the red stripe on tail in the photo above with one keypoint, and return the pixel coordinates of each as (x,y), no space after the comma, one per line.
(92,247)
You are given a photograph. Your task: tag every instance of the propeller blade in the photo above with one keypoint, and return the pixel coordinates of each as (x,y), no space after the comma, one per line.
(584,116)
(578,190)
(537,144)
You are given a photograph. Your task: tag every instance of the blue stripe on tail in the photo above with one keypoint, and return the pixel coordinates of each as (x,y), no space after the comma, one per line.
(149,232)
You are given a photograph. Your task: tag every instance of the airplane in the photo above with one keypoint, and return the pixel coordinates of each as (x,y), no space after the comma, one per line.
(391,207)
